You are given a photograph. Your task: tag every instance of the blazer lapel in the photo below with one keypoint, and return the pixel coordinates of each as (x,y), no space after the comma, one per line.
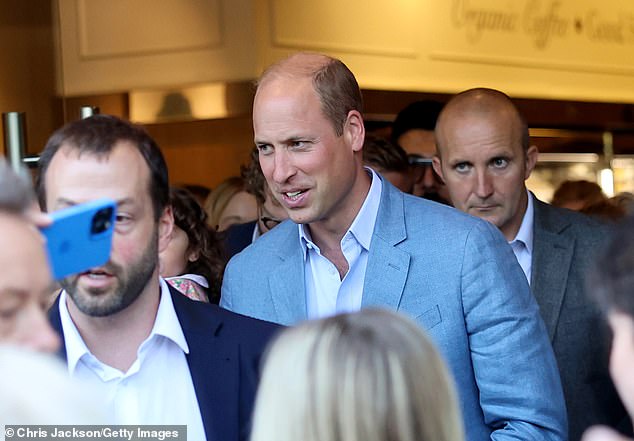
(388,266)
(56,323)
(214,368)
(552,257)
(286,282)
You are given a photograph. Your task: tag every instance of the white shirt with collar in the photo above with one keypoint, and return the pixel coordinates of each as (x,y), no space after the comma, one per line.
(522,245)
(157,388)
(326,293)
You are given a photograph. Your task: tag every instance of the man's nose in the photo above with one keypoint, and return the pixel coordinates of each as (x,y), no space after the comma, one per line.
(429,178)
(283,167)
(484,187)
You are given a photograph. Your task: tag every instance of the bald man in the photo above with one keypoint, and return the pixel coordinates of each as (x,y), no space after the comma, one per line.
(484,157)
(354,241)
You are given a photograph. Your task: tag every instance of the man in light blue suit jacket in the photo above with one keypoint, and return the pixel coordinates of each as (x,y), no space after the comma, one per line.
(454,274)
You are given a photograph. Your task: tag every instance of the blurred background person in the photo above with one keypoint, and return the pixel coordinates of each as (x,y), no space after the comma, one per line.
(34,388)
(200,192)
(269,211)
(25,277)
(37,390)
(229,204)
(606,210)
(388,159)
(413,130)
(576,194)
(625,200)
(373,375)
(611,284)
(193,261)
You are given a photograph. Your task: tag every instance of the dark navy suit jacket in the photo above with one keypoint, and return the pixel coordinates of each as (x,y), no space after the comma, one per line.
(224,362)
(238,237)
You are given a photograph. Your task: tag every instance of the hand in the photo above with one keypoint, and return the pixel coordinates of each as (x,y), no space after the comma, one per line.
(603,433)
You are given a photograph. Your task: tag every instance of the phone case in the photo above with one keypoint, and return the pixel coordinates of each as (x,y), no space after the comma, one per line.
(80,237)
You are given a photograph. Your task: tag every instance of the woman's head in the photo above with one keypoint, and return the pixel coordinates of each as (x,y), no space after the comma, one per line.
(194,248)
(230,204)
(367,376)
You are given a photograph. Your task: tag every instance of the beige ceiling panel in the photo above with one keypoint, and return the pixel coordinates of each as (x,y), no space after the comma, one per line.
(572,35)
(374,27)
(123,27)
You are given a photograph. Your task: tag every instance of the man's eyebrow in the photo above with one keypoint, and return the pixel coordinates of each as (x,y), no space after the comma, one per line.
(69,202)
(66,202)
(125,201)
(286,140)
(459,161)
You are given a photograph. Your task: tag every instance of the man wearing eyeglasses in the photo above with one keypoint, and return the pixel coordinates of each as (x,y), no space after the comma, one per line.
(270,212)
(413,130)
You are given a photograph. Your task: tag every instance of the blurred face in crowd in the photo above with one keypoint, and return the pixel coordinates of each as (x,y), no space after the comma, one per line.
(271,213)
(176,255)
(315,174)
(123,176)
(242,208)
(399,179)
(426,183)
(25,286)
(622,357)
(484,166)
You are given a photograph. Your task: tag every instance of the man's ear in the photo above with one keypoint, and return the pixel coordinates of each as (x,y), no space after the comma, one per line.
(532,154)
(435,162)
(165,228)
(354,130)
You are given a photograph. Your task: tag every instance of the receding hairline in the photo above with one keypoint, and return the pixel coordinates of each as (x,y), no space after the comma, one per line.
(301,65)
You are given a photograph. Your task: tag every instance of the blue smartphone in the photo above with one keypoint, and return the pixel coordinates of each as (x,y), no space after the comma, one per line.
(80,237)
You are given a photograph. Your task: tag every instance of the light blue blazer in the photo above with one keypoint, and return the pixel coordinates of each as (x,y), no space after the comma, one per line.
(458,278)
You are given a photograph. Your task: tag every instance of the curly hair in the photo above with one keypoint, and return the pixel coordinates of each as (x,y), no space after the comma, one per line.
(192,219)
(254,180)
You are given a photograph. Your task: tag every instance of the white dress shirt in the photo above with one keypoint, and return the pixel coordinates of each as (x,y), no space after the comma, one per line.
(157,388)
(326,292)
(522,245)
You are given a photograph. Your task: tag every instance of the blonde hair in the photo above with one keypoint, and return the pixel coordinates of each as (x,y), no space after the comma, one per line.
(367,376)
(36,389)
(219,198)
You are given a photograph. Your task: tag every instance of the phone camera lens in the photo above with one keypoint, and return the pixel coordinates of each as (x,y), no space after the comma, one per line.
(102,220)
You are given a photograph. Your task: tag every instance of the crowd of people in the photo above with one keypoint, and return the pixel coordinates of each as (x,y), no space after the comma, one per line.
(398,289)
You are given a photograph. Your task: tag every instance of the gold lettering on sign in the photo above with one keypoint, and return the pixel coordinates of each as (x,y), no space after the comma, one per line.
(476,21)
(605,30)
(545,23)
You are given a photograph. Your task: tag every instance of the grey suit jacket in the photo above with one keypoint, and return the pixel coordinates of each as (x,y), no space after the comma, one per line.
(564,243)
(458,278)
